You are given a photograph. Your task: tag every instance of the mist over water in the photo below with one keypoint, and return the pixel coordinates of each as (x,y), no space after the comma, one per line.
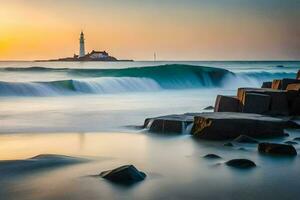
(88,110)
(103,96)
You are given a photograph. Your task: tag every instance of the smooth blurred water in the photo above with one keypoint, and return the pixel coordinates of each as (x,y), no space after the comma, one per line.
(97,100)
(174,165)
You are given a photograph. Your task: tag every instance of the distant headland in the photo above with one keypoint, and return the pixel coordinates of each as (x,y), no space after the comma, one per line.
(92,56)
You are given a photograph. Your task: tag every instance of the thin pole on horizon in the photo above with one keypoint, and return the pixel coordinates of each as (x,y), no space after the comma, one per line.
(154,57)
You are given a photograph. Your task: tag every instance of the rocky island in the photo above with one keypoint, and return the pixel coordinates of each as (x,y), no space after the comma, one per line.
(92,56)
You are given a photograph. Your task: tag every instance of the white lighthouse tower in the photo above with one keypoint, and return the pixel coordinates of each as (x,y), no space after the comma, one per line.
(81,44)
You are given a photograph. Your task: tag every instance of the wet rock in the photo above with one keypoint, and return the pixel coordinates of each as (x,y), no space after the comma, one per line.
(266,84)
(227,125)
(245,139)
(297,138)
(226,104)
(293,86)
(295,107)
(286,135)
(212,156)
(283,84)
(242,149)
(241,163)
(228,144)
(126,174)
(279,100)
(298,75)
(168,123)
(277,149)
(256,103)
(291,142)
(209,108)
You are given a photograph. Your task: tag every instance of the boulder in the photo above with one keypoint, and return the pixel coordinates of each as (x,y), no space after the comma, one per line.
(293,86)
(287,81)
(277,149)
(241,163)
(267,85)
(297,139)
(295,107)
(276,84)
(298,75)
(169,123)
(228,144)
(256,103)
(126,174)
(226,104)
(283,84)
(278,102)
(209,108)
(291,142)
(211,156)
(229,125)
(245,139)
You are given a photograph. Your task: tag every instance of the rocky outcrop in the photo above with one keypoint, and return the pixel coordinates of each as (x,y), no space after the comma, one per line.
(297,139)
(293,86)
(283,83)
(228,144)
(241,163)
(209,108)
(169,123)
(226,104)
(126,174)
(278,102)
(211,156)
(245,139)
(291,142)
(298,75)
(277,149)
(267,84)
(228,125)
(256,103)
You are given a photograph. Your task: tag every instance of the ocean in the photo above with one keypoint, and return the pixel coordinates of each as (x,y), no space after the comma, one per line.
(106,96)
(90,110)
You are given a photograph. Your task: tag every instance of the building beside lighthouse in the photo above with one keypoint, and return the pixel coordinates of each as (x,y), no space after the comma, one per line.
(93,55)
(81,45)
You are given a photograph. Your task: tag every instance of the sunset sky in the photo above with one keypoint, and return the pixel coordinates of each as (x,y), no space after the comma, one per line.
(174,29)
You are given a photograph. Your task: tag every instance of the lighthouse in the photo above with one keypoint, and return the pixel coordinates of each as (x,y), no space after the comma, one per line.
(81,44)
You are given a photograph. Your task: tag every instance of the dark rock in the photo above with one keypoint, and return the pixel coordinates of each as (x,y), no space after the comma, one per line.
(226,125)
(283,84)
(228,144)
(211,156)
(256,103)
(226,104)
(276,84)
(297,138)
(169,123)
(126,174)
(266,85)
(241,163)
(242,149)
(245,139)
(298,75)
(279,100)
(291,142)
(209,108)
(295,107)
(277,149)
(286,135)
(293,86)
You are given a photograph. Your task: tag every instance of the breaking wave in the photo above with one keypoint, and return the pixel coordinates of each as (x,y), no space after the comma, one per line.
(137,79)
